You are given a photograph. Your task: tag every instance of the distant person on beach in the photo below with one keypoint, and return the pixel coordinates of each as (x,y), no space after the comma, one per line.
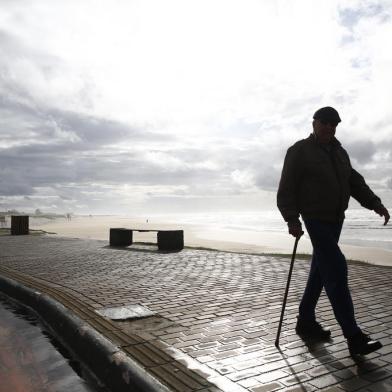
(317,182)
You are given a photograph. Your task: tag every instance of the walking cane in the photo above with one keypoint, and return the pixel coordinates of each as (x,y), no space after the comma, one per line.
(287,290)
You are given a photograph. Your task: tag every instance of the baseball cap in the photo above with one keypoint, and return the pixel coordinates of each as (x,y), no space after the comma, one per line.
(328,115)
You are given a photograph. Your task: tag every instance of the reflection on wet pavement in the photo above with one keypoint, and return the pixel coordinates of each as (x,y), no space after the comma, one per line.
(31,360)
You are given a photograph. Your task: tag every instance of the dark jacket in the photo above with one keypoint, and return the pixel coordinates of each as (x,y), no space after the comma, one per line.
(317,182)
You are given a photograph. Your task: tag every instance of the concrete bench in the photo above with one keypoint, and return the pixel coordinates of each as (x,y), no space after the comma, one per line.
(167,239)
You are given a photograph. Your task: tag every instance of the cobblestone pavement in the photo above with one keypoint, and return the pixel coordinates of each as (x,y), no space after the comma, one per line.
(217,313)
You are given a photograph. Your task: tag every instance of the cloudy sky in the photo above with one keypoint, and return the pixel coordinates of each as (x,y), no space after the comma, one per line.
(134,106)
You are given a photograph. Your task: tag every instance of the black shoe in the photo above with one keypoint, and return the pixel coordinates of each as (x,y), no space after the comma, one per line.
(312,330)
(361,344)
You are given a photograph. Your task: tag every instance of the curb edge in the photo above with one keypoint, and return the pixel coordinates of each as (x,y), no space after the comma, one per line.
(106,360)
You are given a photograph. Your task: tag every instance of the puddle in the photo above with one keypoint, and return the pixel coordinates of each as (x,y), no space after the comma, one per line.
(126,312)
(148,324)
(32,360)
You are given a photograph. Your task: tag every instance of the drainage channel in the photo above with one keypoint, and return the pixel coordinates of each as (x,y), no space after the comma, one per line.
(33,360)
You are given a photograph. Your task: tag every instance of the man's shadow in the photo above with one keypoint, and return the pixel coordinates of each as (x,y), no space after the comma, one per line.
(325,357)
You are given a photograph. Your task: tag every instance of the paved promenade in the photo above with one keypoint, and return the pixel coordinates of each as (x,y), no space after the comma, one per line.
(216,313)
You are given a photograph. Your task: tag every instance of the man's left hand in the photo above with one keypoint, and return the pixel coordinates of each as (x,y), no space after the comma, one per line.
(382,211)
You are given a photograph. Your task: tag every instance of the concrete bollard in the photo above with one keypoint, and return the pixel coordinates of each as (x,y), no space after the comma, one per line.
(19,224)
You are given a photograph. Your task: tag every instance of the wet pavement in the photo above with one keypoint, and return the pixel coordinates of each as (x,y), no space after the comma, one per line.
(216,313)
(31,360)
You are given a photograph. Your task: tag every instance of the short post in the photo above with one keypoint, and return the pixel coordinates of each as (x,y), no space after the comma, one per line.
(19,224)
(171,240)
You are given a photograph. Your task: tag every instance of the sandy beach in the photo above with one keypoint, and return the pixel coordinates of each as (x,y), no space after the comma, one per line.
(97,227)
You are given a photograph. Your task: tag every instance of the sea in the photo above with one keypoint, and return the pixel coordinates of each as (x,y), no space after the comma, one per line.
(361,226)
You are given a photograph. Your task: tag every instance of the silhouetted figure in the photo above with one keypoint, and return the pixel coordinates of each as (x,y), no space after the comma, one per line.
(317,182)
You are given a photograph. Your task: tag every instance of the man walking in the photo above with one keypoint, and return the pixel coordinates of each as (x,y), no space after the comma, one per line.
(317,182)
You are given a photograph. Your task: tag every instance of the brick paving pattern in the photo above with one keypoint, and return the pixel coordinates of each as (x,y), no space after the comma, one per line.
(217,313)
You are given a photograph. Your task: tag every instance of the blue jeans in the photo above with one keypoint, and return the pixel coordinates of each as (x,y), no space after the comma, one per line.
(329,270)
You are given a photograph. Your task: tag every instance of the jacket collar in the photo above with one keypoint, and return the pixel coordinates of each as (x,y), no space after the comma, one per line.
(334,142)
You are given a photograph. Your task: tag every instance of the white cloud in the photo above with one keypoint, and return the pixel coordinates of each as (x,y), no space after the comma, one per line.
(242,178)
(164,161)
(205,96)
